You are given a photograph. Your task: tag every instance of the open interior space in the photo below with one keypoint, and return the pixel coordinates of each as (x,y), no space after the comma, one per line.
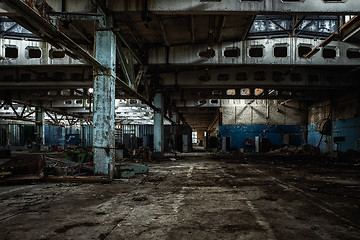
(193,119)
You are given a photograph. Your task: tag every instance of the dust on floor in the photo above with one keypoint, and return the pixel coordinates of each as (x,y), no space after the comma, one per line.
(198,197)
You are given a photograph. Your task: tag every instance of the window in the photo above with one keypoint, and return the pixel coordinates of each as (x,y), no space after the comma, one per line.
(257,51)
(11,52)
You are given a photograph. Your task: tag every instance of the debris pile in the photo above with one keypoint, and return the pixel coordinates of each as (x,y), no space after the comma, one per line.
(293,150)
(22,167)
(64,167)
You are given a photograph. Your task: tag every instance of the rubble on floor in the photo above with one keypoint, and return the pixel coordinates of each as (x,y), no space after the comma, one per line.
(22,166)
(195,198)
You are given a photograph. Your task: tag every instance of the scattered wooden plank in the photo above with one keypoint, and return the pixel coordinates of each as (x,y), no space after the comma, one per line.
(5,173)
(24,177)
(81,179)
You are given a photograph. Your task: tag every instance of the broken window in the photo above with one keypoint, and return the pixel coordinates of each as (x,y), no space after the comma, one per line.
(277,76)
(231,92)
(280,51)
(259,76)
(257,51)
(295,77)
(33,52)
(223,77)
(11,52)
(313,78)
(241,76)
(353,53)
(57,53)
(232,52)
(258,91)
(204,78)
(329,53)
(208,53)
(303,50)
(245,92)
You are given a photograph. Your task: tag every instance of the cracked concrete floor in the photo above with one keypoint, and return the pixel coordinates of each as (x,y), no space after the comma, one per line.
(194,198)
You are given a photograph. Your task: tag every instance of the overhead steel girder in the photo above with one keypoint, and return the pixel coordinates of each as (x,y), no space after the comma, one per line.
(255,7)
(34,53)
(44,84)
(276,51)
(344,32)
(31,20)
(265,76)
(77,16)
(212,96)
(38,25)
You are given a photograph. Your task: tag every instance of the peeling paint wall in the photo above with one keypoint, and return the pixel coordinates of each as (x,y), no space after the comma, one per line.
(280,122)
(258,112)
(344,114)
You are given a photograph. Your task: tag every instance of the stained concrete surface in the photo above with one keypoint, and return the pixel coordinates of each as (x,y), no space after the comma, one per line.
(199,197)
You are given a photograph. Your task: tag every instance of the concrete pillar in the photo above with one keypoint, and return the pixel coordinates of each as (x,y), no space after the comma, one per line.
(159,125)
(173,132)
(104,105)
(40,126)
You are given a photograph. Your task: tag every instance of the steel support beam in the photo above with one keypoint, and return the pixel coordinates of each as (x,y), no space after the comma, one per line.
(345,32)
(25,58)
(254,52)
(253,7)
(40,126)
(31,20)
(125,64)
(159,125)
(283,77)
(76,16)
(104,105)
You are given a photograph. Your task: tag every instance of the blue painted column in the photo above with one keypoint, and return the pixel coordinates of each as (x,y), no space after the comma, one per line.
(173,132)
(159,125)
(104,105)
(40,126)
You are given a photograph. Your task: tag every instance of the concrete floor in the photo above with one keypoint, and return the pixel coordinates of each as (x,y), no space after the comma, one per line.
(199,197)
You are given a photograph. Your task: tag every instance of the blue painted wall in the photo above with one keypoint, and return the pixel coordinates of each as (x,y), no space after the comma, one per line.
(54,135)
(315,136)
(348,128)
(239,133)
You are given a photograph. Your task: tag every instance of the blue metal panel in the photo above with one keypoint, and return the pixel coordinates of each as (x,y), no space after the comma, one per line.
(87,136)
(347,128)
(239,133)
(72,139)
(15,133)
(350,129)
(314,136)
(54,136)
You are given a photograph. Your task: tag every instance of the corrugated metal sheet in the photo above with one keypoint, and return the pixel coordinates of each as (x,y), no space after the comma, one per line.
(87,136)
(54,135)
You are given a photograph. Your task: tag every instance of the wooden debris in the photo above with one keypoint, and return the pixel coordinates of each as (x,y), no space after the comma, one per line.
(81,179)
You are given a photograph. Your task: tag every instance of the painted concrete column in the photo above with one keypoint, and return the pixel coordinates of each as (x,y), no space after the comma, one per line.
(173,132)
(104,105)
(159,125)
(40,126)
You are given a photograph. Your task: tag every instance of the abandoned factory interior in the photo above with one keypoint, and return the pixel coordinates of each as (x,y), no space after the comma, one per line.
(191,119)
